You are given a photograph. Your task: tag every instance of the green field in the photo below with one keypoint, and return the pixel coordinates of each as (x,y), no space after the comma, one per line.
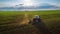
(9,21)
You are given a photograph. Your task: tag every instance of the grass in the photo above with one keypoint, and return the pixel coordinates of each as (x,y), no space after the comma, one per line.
(50,17)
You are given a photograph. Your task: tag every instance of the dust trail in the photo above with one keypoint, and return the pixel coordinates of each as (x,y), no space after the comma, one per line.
(25,19)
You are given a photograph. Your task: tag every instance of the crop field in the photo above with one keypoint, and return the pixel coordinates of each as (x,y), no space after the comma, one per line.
(10,21)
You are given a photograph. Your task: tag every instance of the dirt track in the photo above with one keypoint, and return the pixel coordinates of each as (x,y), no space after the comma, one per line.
(25,19)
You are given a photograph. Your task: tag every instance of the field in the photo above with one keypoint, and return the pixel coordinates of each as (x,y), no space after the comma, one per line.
(10,21)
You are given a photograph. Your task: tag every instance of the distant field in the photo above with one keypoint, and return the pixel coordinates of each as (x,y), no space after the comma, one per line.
(50,18)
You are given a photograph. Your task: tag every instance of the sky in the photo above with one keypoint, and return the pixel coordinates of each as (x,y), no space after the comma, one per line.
(27,3)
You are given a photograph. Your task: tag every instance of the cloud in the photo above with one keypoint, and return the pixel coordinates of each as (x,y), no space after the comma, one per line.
(4,3)
(48,6)
(48,3)
(7,4)
(41,6)
(58,5)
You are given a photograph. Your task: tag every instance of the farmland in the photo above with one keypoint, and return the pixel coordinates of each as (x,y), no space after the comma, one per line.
(10,21)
